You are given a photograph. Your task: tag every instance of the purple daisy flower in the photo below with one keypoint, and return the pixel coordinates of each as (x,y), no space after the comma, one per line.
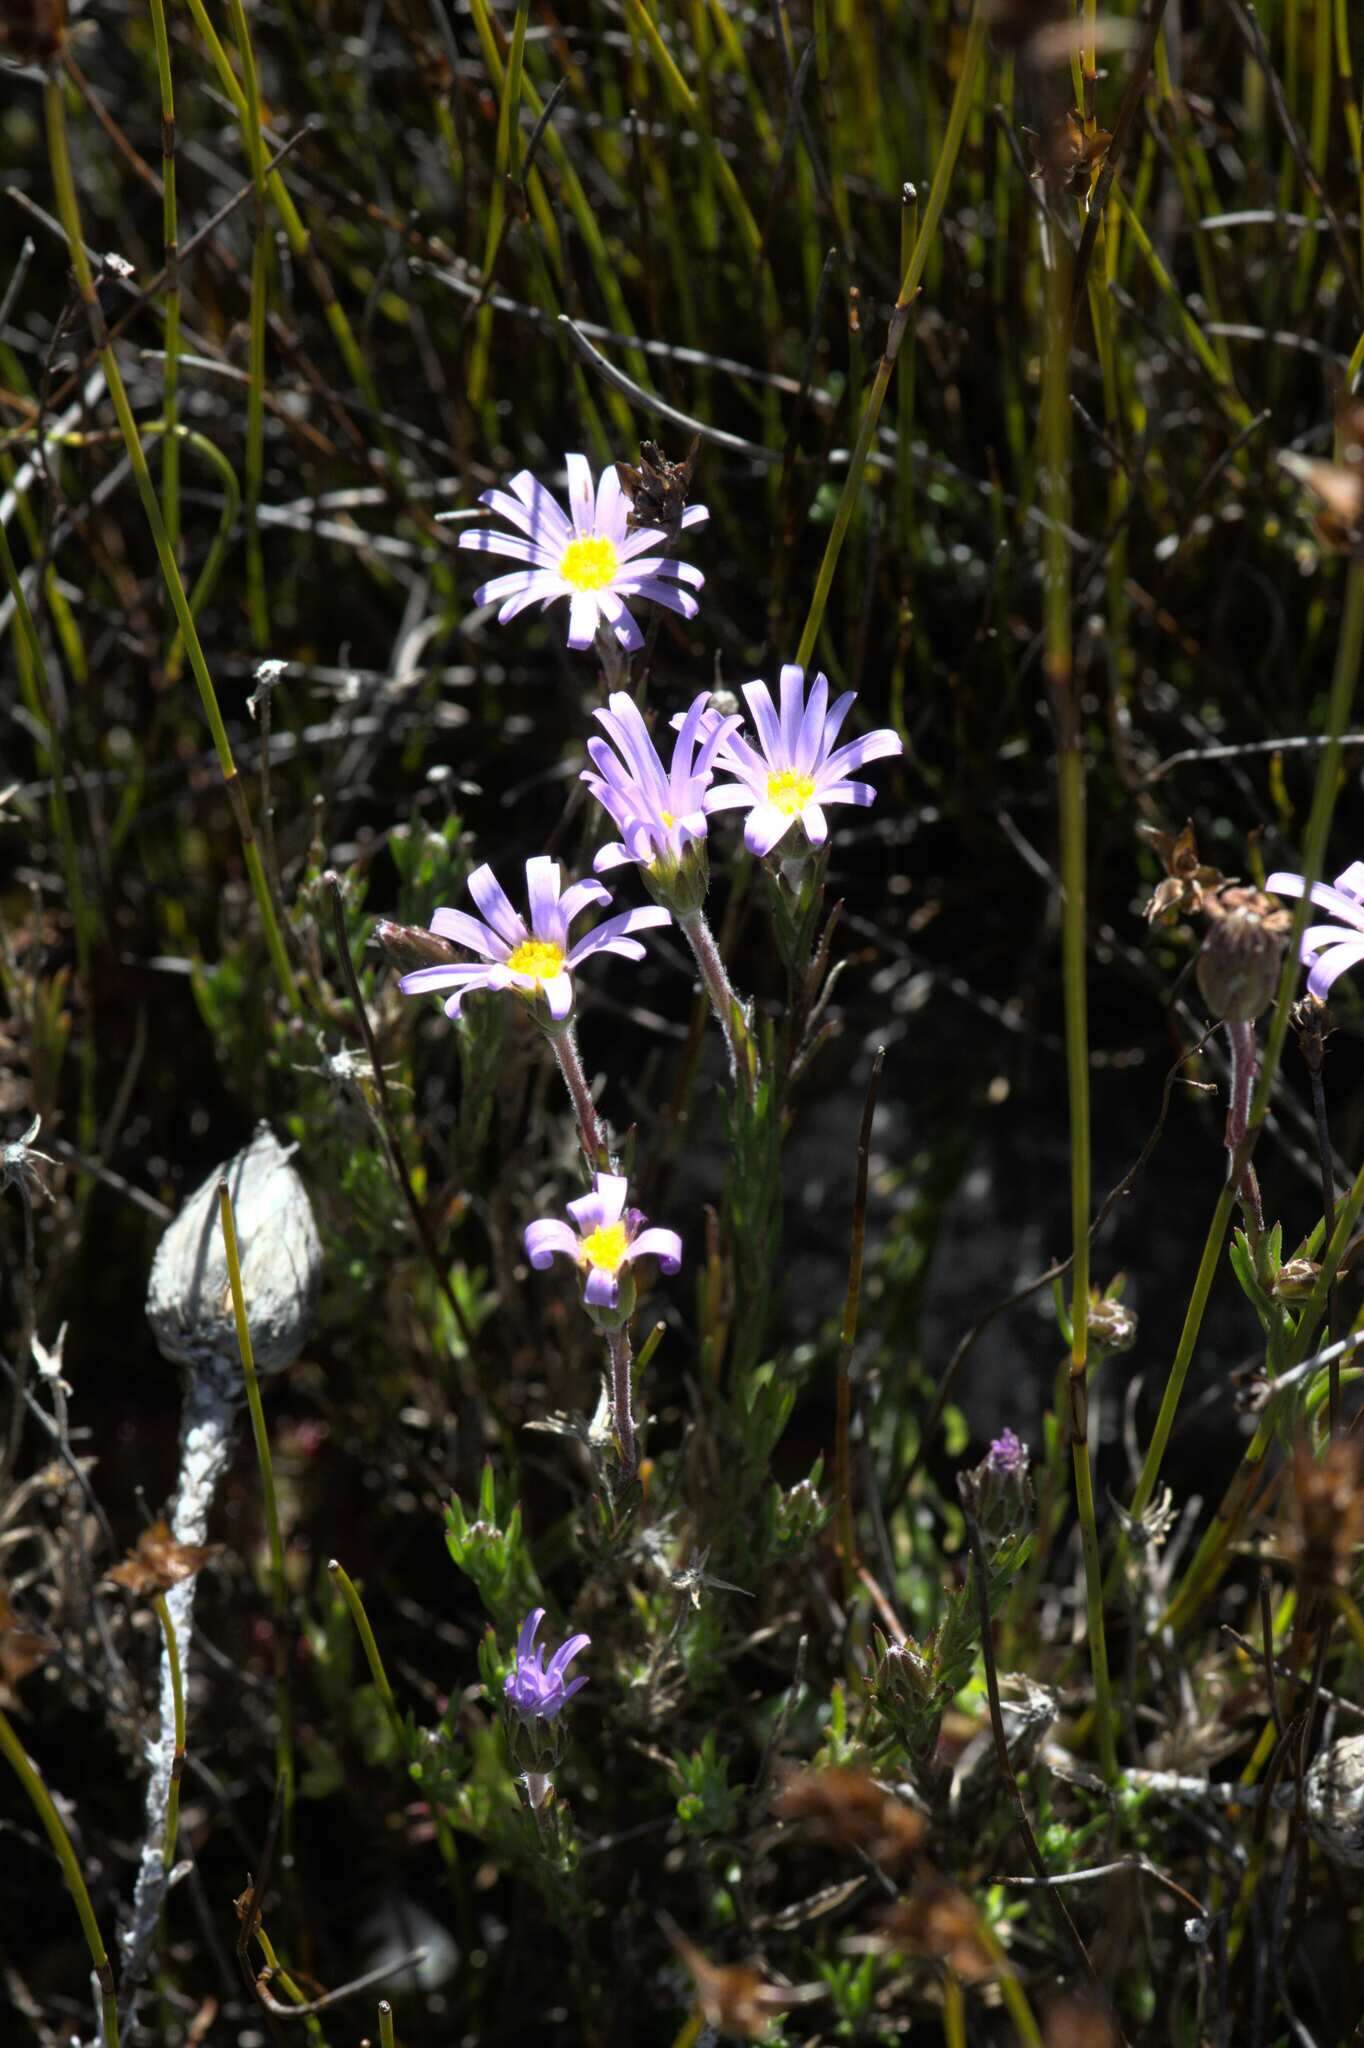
(1329,949)
(534,1690)
(798,769)
(534,959)
(605,1238)
(591,557)
(659,811)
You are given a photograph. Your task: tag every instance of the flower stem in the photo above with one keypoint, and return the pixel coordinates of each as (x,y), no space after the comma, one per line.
(590,1134)
(622,1410)
(1343,685)
(69,212)
(279,1592)
(387,2037)
(71,1871)
(163,1615)
(731,1014)
(1241,1041)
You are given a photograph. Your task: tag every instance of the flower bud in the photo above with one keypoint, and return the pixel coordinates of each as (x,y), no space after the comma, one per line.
(999,1492)
(408,946)
(1112,1325)
(1238,967)
(189,1298)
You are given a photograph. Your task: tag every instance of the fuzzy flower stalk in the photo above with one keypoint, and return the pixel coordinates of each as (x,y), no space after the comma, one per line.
(536,1694)
(535,960)
(603,1241)
(660,813)
(589,555)
(1238,972)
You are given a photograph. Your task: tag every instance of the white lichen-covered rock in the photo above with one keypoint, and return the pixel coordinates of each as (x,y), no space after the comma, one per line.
(189,1301)
(1334,1796)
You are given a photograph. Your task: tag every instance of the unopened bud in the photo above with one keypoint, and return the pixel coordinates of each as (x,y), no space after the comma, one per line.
(1112,1325)
(1238,967)
(408,946)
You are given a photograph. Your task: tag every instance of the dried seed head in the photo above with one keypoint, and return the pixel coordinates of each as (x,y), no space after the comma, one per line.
(850,1810)
(1295,1279)
(189,1299)
(1334,1792)
(1238,967)
(157,1562)
(938,1919)
(1069,153)
(22,1650)
(1325,1515)
(1186,876)
(1112,1325)
(657,490)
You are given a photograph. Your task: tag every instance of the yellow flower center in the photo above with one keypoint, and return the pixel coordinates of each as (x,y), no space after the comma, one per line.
(606,1247)
(667,818)
(540,959)
(790,792)
(589,564)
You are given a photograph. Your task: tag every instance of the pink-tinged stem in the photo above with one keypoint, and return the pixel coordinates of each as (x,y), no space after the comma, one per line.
(729,1011)
(622,1410)
(590,1135)
(1244,1062)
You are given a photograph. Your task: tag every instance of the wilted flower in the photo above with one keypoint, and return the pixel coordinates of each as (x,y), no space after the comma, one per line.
(535,1690)
(659,811)
(796,768)
(606,1238)
(1238,965)
(1329,949)
(534,959)
(850,1810)
(657,490)
(591,559)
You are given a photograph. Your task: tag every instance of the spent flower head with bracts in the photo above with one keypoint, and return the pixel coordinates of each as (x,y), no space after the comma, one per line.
(1329,950)
(659,812)
(535,959)
(604,1241)
(589,556)
(796,769)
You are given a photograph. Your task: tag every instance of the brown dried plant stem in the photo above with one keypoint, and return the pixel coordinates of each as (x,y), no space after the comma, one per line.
(163,1615)
(61,1841)
(69,213)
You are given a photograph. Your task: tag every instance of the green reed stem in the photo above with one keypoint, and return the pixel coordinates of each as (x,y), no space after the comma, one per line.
(170,230)
(953,2012)
(61,1841)
(387,2038)
(69,213)
(508,117)
(254,468)
(279,1591)
(163,1615)
(1070,764)
(899,320)
(350,1594)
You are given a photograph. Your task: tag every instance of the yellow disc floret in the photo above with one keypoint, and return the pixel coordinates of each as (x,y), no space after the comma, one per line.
(589,564)
(790,792)
(606,1247)
(538,959)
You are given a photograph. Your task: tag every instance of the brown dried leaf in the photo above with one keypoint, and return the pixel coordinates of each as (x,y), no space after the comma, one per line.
(22,1650)
(736,1998)
(938,1919)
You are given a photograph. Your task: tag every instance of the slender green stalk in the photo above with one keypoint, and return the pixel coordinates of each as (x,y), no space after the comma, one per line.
(953,2012)
(163,1615)
(351,1596)
(69,213)
(279,1591)
(170,229)
(899,320)
(508,118)
(71,1871)
(1344,683)
(254,468)
(387,2038)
